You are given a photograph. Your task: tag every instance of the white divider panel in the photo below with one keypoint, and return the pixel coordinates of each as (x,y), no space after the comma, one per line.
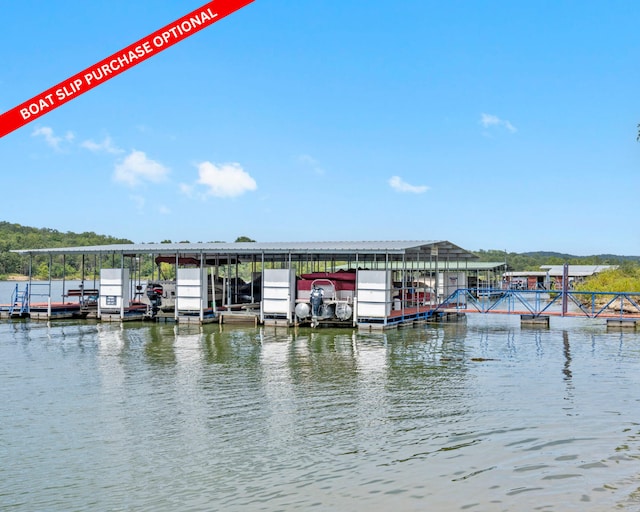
(191,289)
(373,291)
(450,282)
(114,289)
(278,291)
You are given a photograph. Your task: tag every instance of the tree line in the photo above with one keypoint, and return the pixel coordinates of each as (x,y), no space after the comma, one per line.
(16,236)
(534,260)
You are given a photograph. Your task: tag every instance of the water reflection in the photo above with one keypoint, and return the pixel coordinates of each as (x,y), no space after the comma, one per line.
(277,382)
(567,356)
(187,344)
(474,416)
(160,350)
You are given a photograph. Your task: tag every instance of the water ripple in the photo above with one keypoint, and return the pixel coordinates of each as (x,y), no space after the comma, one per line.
(468,417)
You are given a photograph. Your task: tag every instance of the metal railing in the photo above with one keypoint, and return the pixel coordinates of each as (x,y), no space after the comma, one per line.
(545,302)
(19,301)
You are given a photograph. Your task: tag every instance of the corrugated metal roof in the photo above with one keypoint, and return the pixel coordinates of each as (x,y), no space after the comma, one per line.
(577,270)
(474,266)
(525,273)
(412,247)
(558,270)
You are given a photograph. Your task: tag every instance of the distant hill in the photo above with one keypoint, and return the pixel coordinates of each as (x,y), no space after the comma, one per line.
(15,236)
(533,260)
(551,254)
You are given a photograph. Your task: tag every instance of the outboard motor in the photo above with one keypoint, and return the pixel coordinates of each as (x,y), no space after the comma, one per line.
(316,300)
(154,294)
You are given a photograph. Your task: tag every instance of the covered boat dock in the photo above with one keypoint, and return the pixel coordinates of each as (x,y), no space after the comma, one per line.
(377,284)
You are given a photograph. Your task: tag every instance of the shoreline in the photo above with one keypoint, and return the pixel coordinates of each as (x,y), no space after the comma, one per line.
(16,277)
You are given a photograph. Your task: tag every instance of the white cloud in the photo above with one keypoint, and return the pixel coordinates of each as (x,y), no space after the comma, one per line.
(51,139)
(489,120)
(399,185)
(106,145)
(311,162)
(224,180)
(136,168)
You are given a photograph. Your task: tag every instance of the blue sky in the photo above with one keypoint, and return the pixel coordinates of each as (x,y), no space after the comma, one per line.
(491,124)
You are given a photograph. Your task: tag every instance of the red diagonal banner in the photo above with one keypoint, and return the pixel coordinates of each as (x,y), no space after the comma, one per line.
(115,64)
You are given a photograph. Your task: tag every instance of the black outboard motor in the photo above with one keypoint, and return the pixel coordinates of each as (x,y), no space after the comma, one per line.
(316,300)
(154,294)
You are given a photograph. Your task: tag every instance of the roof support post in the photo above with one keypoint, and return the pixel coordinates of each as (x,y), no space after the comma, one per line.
(175,306)
(94,284)
(205,292)
(565,288)
(49,293)
(434,255)
(404,284)
(82,272)
(64,275)
(121,284)
(262,289)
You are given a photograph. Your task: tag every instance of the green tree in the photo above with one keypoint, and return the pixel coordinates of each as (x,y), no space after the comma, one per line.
(15,236)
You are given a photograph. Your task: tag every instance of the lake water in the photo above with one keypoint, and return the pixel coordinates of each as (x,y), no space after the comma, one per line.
(483,416)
